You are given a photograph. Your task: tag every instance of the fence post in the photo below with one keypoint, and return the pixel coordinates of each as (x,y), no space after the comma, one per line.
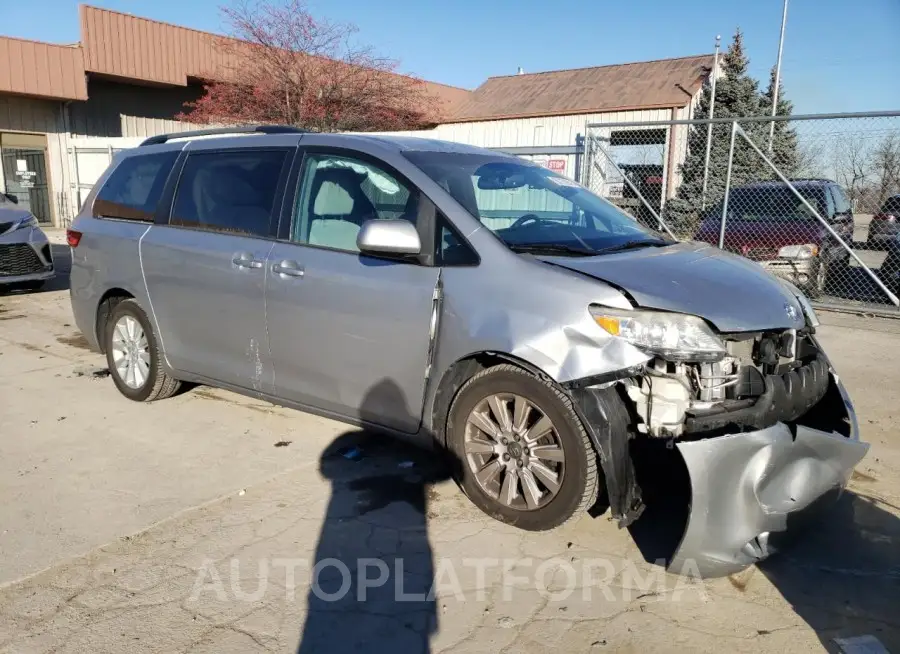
(587,161)
(74,151)
(639,195)
(579,155)
(734,126)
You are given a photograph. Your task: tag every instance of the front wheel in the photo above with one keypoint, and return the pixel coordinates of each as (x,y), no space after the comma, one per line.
(525,458)
(816,286)
(133,355)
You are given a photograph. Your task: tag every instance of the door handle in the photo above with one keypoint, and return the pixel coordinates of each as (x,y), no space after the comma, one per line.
(287,268)
(245,260)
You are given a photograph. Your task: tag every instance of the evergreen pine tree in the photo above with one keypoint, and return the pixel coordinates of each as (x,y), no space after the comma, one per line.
(737,96)
(785,153)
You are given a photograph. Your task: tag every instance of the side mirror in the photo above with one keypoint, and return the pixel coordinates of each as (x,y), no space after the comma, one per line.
(393,236)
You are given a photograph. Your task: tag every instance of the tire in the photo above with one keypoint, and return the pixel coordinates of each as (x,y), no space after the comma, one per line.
(32,286)
(816,286)
(156,384)
(575,466)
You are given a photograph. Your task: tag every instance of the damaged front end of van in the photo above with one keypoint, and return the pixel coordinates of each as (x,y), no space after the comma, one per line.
(746,395)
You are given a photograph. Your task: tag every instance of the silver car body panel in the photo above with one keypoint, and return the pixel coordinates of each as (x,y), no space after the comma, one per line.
(368,340)
(211,312)
(733,293)
(31,236)
(350,335)
(746,487)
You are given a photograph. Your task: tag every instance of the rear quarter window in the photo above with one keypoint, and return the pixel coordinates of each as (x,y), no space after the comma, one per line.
(134,187)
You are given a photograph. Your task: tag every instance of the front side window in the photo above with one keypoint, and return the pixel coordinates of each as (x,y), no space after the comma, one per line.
(338,194)
(775,202)
(134,187)
(531,208)
(232,192)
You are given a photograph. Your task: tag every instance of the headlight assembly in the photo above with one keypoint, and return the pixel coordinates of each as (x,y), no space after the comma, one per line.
(806,251)
(673,336)
(31,221)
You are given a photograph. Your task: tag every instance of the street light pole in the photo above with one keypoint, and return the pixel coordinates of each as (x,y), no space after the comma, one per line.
(777,76)
(709,125)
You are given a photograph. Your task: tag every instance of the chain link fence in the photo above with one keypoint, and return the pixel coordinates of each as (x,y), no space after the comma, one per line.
(813,199)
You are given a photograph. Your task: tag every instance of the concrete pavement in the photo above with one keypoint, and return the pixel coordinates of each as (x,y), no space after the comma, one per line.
(198,524)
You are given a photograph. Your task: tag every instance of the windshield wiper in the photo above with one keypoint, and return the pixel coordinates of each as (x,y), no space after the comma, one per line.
(550,248)
(633,245)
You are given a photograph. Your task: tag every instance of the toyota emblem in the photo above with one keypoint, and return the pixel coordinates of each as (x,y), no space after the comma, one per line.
(791,312)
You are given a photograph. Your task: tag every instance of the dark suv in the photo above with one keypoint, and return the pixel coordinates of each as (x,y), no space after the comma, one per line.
(769,224)
(884,228)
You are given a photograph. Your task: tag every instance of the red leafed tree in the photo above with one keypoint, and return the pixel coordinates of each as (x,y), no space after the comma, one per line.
(283,66)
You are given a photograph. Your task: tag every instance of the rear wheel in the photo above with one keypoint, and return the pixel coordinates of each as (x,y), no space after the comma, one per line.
(133,356)
(525,458)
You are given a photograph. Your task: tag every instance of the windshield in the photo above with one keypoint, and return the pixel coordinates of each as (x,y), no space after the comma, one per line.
(767,203)
(532,208)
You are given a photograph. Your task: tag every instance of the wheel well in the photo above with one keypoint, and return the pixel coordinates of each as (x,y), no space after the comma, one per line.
(457,375)
(109,300)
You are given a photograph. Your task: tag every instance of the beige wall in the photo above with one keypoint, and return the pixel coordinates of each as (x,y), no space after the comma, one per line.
(29,115)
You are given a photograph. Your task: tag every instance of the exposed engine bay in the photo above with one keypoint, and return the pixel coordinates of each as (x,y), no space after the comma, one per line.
(765,430)
(764,378)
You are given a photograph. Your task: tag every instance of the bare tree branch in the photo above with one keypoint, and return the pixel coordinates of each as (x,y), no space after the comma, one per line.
(285,66)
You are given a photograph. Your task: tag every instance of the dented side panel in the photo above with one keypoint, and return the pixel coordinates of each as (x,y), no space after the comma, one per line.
(211,314)
(531,312)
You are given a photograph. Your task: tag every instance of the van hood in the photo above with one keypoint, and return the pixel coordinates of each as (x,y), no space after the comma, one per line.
(733,293)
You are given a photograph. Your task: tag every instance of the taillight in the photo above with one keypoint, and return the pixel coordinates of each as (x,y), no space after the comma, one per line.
(73,237)
(887,217)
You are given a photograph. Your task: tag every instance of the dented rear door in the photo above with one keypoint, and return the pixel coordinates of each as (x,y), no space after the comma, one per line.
(205,265)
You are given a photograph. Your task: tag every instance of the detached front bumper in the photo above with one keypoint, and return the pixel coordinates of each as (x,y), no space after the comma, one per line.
(747,487)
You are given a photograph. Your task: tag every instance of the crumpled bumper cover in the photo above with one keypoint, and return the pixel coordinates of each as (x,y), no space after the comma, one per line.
(745,487)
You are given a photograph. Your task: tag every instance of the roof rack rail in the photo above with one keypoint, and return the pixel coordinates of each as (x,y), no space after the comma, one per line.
(243,129)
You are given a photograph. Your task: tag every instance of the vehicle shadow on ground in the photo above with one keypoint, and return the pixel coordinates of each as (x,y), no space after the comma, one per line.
(840,573)
(666,491)
(373,568)
(854,284)
(62,264)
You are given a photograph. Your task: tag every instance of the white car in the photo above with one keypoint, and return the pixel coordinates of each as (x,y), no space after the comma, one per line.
(25,258)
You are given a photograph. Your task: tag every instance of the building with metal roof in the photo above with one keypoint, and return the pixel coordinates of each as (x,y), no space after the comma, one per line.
(64,109)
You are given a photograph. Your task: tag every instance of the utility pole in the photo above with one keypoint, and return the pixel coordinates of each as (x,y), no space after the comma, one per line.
(709,126)
(777,76)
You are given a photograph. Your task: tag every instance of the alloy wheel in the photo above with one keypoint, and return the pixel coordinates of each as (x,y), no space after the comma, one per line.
(514,451)
(130,352)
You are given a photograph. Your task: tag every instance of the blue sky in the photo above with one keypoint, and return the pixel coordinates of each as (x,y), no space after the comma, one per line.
(840,55)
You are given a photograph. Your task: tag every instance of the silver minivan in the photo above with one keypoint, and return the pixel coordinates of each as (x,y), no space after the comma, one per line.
(477,303)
